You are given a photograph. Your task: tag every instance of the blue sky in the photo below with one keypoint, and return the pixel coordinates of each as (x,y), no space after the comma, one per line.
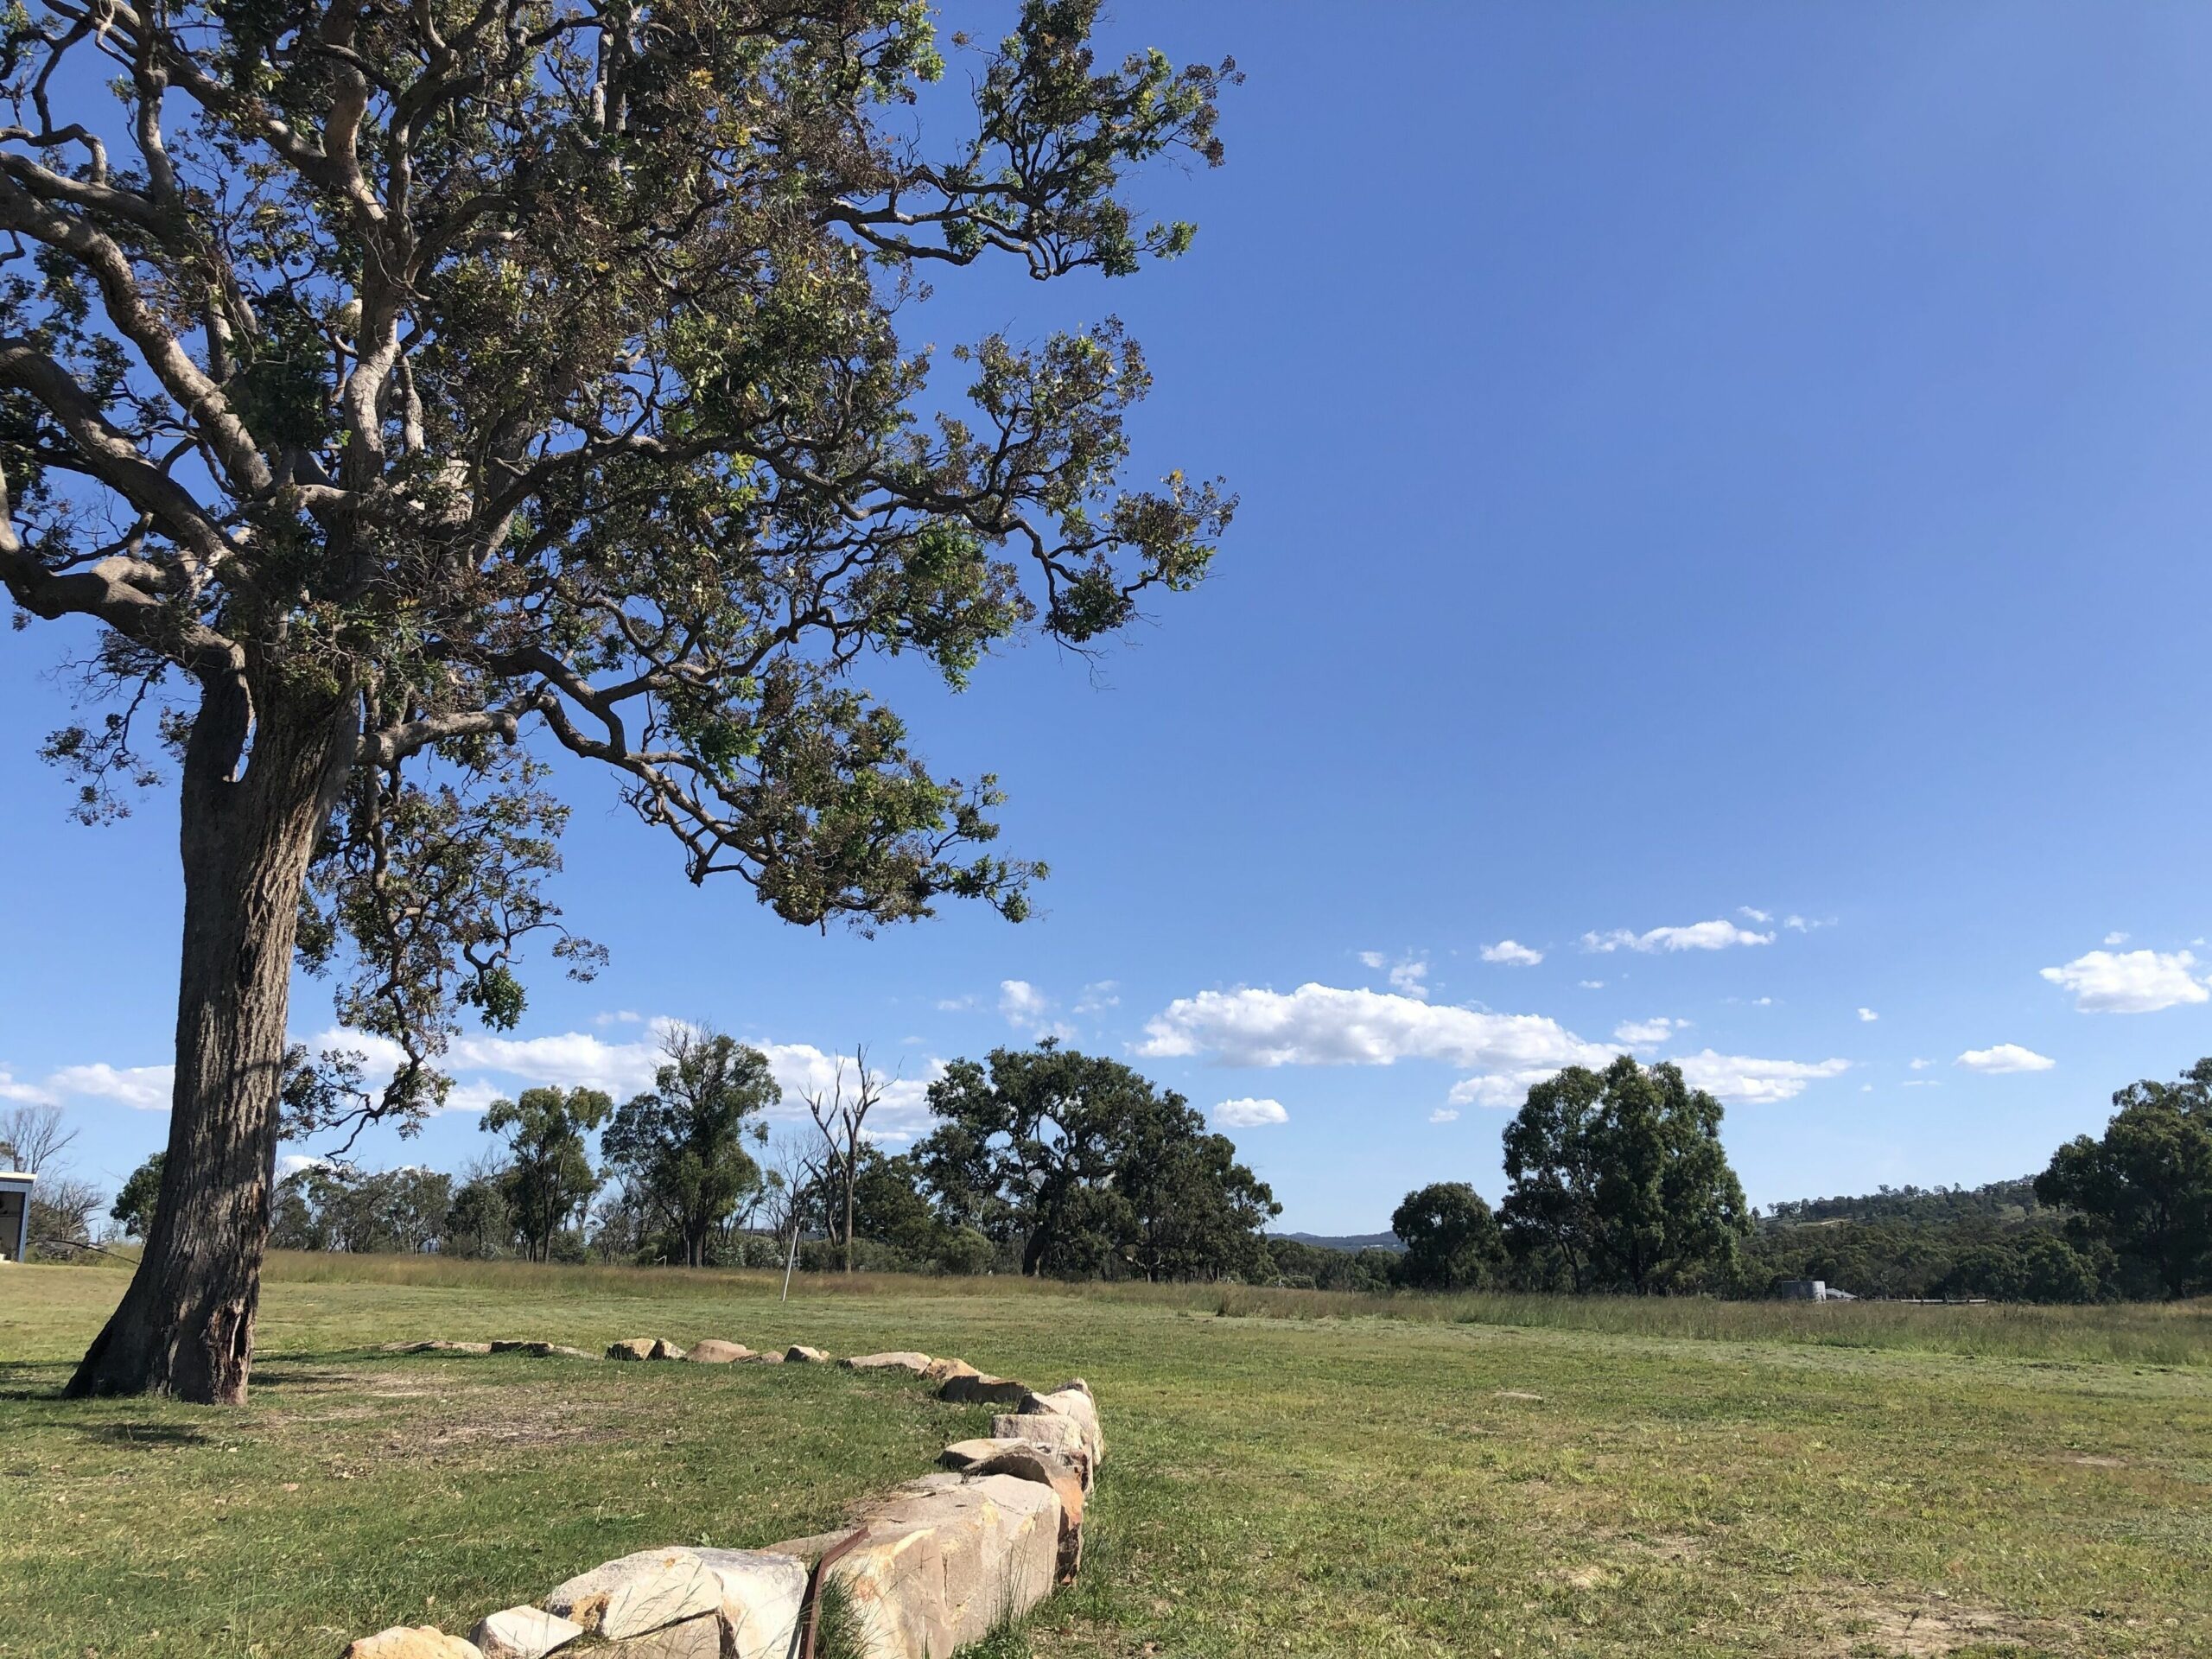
(1724,511)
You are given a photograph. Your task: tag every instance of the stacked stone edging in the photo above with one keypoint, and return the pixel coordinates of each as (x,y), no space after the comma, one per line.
(929,1567)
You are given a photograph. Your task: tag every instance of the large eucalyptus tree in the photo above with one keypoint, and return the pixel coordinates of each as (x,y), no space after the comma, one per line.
(395,382)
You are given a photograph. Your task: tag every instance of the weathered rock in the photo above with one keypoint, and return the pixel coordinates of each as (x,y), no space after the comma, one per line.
(903,1361)
(540,1349)
(694,1638)
(797,1354)
(715,1351)
(944,1370)
(639,1593)
(759,1359)
(939,1569)
(663,1349)
(419,1641)
(985,1391)
(438,1348)
(1048,1428)
(1027,1461)
(524,1633)
(1072,1400)
(630,1347)
(761,1598)
(975,1457)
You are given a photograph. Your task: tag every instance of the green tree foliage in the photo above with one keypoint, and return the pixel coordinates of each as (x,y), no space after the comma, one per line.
(2144,1188)
(681,1147)
(890,1206)
(1452,1241)
(338,1207)
(1086,1170)
(1619,1182)
(1301,1265)
(481,1223)
(1998,1241)
(133,1209)
(549,1177)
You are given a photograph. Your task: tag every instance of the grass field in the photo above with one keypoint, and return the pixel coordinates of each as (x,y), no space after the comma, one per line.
(1288,1473)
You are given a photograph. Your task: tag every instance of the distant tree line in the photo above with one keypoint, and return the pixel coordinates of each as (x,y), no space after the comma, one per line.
(1048,1161)
(1617,1182)
(1043,1161)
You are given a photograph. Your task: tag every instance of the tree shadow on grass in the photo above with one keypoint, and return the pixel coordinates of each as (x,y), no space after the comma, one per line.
(149,1435)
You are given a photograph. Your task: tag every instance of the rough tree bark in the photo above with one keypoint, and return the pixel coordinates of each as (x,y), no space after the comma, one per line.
(185,1327)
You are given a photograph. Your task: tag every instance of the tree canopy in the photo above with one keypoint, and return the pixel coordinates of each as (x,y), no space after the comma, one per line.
(681,1146)
(549,1177)
(1451,1239)
(1618,1181)
(1088,1170)
(2144,1188)
(133,1209)
(406,393)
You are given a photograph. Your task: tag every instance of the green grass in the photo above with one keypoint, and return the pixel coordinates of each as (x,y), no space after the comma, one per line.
(1288,1473)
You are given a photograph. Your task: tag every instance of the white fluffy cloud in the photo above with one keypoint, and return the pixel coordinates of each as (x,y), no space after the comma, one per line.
(2129,981)
(1751,912)
(1249,1114)
(1444,1115)
(1716,935)
(1740,1080)
(29,1093)
(142,1088)
(489,1067)
(1868,1015)
(2005,1057)
(1408,975)
(1646,1033)
(2115,937)
(1326,1025)
(1512,952)
(1026,1008)
(1099,995)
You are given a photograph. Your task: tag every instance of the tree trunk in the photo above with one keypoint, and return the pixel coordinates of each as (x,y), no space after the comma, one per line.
(185,1327)
(852,1174)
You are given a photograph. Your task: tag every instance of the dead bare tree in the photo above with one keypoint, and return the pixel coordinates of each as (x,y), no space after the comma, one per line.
(840,1114)
(31,1137)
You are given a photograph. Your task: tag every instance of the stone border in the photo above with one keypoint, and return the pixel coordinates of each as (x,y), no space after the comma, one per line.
(927,1568)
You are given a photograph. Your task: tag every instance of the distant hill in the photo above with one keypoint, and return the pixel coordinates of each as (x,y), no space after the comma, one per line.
(1351,1243)
(1999,1201)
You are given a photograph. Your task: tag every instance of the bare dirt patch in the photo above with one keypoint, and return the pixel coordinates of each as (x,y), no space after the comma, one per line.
(1929,1628)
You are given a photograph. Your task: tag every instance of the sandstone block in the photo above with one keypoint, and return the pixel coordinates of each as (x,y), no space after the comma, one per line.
(944,1370)
(905,1360)
(799,1354)
(1071,1400)
(972,1456)
(1061,1435)
(524,1633)
(940,1569)
(986,1391)
(715,1351)
(761,1598)
(639,1593)
(630,1347)
(540,1349)
(438,1348)
(419,1642)
(694,1638)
